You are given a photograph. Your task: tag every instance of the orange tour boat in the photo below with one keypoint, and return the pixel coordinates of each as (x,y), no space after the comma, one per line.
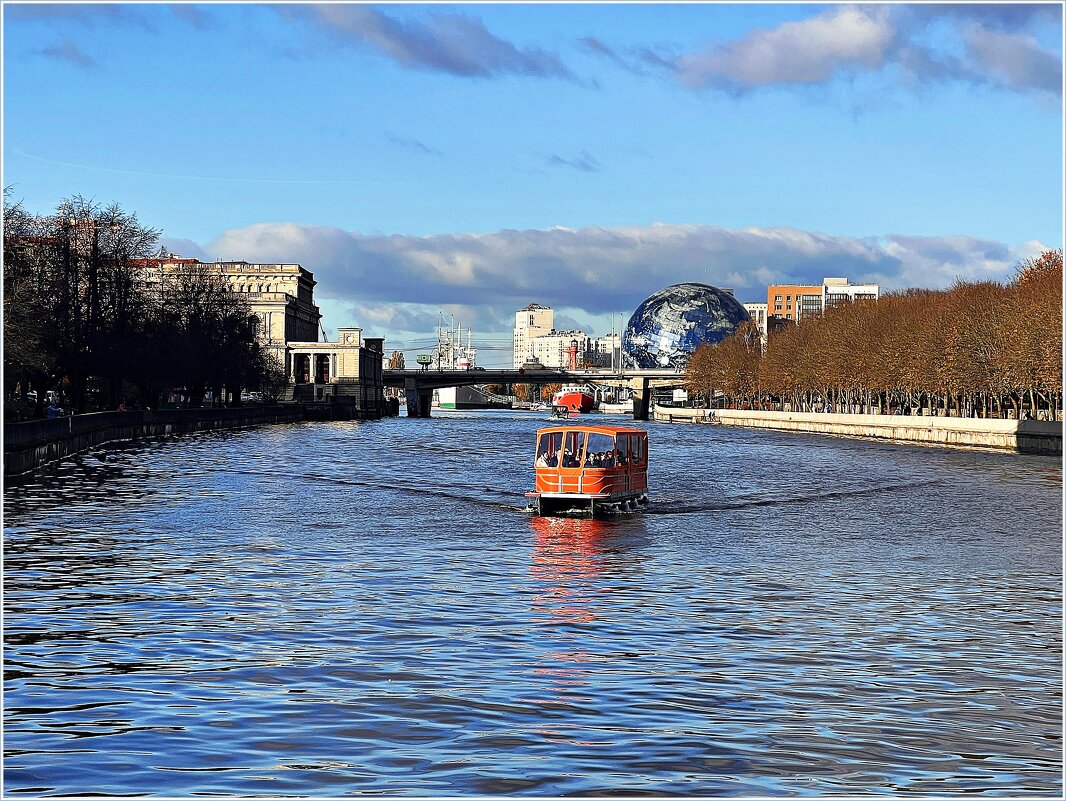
(590,470)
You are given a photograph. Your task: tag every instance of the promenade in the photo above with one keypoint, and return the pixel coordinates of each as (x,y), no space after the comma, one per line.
(1025,436)
(30,445)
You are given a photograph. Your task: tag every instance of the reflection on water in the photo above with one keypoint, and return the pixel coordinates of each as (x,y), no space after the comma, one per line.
(567,558)
(329,609)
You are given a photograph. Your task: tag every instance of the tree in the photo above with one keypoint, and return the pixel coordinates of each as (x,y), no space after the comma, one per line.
(523,392)
(218,332)
(28,361)
(78,311)
(547,391)
(272,378)
(1032,323)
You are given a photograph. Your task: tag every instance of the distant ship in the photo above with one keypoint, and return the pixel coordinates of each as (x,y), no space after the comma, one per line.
(625,407)
(468,398)
(575,399)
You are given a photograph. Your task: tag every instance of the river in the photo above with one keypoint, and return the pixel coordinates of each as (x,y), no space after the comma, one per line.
(363,608)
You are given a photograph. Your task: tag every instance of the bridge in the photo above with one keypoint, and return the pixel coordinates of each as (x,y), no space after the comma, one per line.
(418,385)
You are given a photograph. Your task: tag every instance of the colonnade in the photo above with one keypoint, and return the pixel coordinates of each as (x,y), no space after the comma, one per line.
(312,368)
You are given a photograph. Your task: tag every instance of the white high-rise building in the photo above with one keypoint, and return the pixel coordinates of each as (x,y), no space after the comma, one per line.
(758,316)
(837,290)
(609,350)
(532,321)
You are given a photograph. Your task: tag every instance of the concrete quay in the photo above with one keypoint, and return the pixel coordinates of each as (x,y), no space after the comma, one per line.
(30,445)
(1023,436)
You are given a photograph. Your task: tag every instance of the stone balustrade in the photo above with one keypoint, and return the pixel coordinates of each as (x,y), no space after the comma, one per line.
(1026,436)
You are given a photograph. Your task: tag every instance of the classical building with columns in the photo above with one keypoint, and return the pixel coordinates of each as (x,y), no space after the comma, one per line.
(346,372)
(281,295)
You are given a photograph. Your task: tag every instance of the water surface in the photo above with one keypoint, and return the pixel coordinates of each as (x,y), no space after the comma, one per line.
(348,608)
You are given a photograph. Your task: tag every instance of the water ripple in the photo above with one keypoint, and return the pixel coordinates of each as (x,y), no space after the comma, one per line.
(330,609)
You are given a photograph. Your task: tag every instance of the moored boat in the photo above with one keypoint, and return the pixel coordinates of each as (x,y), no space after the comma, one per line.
(590,470)
(574,398)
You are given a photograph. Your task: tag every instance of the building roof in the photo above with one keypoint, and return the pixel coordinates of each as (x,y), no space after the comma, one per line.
(602,429)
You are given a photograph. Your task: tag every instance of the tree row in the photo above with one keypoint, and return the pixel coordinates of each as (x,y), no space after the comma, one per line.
(979,349)
(82,319)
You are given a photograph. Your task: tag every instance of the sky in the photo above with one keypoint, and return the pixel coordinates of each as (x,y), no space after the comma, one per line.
(466,160)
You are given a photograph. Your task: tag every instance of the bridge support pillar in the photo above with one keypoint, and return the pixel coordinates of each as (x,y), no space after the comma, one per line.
(419,400)
(641,398)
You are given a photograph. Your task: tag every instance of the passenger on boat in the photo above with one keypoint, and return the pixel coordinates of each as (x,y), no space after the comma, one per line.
(542,460)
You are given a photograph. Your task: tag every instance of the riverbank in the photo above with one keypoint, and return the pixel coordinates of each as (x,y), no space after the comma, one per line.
(1024,436)
(33,444)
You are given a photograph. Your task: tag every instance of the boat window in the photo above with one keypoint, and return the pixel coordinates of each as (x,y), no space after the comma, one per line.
(600,450)
(548,450)
(638,448)
(623,449)
(571,455)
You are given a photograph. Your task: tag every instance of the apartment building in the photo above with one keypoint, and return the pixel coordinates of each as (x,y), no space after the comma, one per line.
(530,322)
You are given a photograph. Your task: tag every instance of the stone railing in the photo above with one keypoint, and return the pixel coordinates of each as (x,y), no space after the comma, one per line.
(32,444)
(1026,436)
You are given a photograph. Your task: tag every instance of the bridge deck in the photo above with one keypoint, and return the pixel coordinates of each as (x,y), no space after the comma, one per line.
(437,379)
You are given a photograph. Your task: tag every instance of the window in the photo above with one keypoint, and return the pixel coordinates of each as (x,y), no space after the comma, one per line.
(639,455)
(548,450)
(777,298)
(601,445)
(571,456)
(788,298)
(777,307)
(809,306)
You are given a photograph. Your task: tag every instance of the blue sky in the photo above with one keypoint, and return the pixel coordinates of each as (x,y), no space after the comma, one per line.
(474,158)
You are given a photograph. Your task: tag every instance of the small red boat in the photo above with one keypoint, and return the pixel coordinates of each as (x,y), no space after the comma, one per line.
(585,471)
(574,399)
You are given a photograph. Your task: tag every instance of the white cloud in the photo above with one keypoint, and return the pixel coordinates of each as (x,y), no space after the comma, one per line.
(848,40)
(805,52)
(451,43)
(399,283)
(1014,60)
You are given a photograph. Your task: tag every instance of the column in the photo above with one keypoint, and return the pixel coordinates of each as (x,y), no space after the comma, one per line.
(641,398)
(411,390)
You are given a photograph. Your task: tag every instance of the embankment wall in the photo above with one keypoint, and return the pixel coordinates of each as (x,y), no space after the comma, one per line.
(1025,436)
(32,444)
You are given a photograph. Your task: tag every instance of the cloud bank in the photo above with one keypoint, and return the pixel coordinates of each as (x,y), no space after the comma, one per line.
(401,281)
(850,40)
(989,45)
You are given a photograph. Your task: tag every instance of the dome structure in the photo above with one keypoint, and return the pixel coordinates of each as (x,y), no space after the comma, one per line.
(667,328)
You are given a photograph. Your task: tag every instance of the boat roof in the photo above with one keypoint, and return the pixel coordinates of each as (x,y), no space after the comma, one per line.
(601,429)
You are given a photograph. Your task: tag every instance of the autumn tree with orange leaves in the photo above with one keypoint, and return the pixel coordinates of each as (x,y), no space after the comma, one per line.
(978,349)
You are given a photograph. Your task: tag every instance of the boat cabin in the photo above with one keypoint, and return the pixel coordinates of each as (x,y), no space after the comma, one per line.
(588,470)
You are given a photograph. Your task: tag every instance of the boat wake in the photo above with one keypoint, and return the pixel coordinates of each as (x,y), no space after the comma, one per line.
(664,507)
(419,489)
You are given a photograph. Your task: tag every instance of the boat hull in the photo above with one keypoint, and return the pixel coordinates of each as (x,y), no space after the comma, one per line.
(574,401)
(586,505)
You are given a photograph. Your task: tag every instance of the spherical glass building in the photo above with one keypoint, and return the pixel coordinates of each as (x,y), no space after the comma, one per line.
(668,326)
